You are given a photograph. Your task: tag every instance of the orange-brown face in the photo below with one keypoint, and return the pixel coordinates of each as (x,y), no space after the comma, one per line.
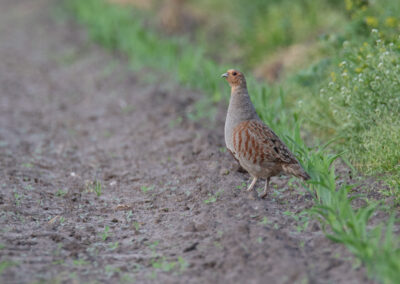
(235,78)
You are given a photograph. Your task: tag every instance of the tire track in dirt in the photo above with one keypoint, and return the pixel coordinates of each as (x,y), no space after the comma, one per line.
(71,114)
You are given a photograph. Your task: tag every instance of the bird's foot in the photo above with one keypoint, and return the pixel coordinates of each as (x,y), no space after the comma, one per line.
(251,186)
(266,188)
(263,194)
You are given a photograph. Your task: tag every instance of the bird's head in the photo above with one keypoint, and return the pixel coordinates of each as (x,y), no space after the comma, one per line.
(235,78)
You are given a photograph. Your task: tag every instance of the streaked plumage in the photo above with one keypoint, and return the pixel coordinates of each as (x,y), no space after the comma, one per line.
(257,148)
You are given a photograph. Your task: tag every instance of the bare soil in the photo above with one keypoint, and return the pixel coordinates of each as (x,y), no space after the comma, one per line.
(74,119)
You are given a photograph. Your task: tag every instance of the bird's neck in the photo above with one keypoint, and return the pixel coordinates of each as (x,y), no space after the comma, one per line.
(240,109)
(240,106)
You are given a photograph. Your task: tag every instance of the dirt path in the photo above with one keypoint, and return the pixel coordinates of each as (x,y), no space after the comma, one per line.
(70,115)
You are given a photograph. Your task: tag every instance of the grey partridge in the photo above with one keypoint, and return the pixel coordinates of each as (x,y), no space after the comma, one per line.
(253,144)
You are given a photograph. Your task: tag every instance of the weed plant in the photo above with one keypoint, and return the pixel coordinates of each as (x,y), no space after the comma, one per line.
(360,104)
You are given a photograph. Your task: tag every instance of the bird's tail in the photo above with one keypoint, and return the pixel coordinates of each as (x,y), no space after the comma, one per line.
(296,170)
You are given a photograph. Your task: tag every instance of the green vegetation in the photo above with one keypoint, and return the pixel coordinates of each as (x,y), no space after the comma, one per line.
(146,189)
(377,247)
(61,193)
(213,197)
(93,186)
(332,32)
(123,30)
(167,266)
(360,103)
(249,32)
(6,264)
(349,92)
(105,235)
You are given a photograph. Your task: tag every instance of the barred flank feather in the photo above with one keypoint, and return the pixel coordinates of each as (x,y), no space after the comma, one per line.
(296,170)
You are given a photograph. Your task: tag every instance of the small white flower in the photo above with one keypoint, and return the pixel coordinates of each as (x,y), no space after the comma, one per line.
(377,78)
(330,83)
(378,41)
(360,80)
(374,31)
(380,65)
(344,74)
(330,99)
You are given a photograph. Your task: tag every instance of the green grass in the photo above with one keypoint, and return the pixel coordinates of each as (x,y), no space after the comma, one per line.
(106,233)
(97,188)
(249,33)
(5,264)
(334,31)
(213,197)
(378,247)
(358,102)
(146,189)
(354,94)
(122,29)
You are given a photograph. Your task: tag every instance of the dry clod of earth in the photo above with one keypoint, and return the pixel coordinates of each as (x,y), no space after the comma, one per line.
(257,148)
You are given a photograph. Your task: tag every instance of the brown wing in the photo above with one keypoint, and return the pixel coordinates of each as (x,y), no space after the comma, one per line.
(254,141)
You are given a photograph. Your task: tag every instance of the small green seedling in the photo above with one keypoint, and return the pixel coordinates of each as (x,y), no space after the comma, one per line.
(97,188)
(61,193)
(18,198)
(146,189)
(243,185)
(105,235)
(213,197)
(114,246)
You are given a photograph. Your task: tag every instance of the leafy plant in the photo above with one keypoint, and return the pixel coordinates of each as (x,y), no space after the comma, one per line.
(94,186)
(213,197)
(361,104)
(6,264)
(97,188)
(114,246)
(61,193)
(146,189)
(105,234)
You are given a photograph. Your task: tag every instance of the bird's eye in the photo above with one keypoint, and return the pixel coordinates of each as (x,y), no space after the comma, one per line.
(234,73)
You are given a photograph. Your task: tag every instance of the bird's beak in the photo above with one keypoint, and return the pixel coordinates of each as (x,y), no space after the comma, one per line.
(225,75)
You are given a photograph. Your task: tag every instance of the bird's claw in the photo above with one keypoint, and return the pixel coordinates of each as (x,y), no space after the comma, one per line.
(263,195)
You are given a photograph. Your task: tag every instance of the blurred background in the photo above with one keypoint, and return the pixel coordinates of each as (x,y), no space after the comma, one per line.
(273,38)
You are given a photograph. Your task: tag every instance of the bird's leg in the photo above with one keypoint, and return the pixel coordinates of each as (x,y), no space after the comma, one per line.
(266,189)
(252,184)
